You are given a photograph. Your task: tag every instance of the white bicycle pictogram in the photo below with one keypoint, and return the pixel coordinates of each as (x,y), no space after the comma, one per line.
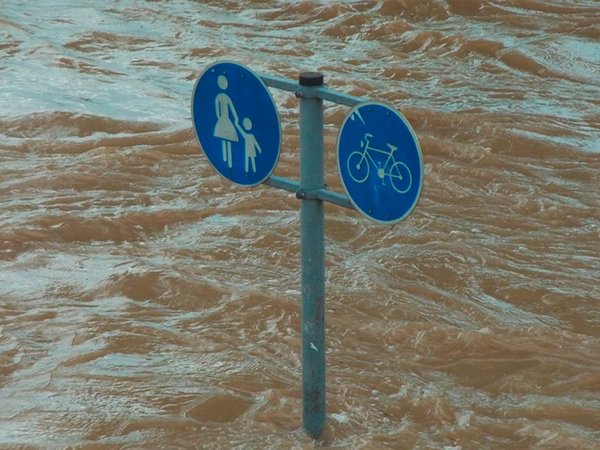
(359,167)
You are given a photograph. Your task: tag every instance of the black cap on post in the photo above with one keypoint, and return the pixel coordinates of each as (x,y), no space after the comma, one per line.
(311,79)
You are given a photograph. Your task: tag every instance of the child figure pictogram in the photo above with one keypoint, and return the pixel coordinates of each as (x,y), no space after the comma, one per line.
(251,145)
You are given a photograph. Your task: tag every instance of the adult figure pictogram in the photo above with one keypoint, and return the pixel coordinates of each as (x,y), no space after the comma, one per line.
(225,128)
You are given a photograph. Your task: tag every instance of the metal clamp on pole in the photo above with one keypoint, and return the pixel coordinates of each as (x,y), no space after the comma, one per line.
(312,237)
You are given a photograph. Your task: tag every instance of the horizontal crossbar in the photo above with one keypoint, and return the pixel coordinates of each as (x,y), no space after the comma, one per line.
(286,84)
(320,194)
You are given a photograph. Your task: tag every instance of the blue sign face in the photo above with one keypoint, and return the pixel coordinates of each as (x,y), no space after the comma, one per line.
(236,123)
(380,162)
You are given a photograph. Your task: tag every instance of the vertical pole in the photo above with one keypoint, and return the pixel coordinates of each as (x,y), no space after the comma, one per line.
(312,243)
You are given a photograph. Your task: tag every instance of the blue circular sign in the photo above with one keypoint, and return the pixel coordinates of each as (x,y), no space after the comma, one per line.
(380,162)
(236,123)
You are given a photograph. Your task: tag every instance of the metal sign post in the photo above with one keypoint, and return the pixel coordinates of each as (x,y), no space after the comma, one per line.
(379,160)
(312,243)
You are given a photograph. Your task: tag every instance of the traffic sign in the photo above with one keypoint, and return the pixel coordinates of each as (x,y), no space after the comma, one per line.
(236,123)
(380,162)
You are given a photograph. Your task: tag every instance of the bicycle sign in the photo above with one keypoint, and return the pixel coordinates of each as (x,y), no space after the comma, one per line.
(380,162)
(359,163)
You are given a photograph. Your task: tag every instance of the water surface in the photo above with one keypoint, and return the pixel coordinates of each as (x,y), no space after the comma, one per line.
(145,302)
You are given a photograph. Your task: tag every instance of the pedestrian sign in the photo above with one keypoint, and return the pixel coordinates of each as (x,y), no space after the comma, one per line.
(236,123)
(380,162)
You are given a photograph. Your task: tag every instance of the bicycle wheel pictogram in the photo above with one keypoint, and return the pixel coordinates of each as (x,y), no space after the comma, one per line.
(400,177)
(358,166)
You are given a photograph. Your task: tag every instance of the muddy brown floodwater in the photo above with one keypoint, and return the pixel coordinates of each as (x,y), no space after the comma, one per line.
(146,302)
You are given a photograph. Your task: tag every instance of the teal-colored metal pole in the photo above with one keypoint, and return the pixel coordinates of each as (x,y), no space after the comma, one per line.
(312,241)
